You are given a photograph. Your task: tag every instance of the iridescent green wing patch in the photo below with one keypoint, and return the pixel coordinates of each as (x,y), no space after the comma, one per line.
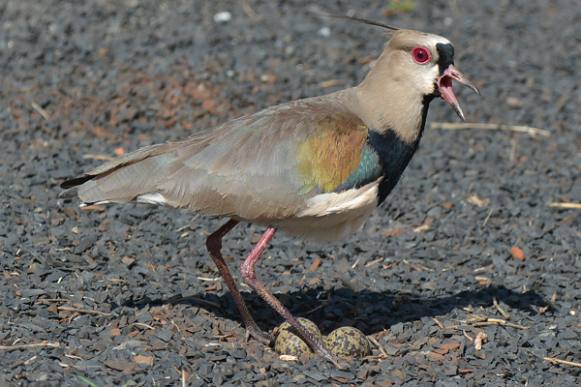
(335,155)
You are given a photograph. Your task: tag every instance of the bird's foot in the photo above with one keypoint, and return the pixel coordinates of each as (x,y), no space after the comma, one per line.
(322,351)
(252,330)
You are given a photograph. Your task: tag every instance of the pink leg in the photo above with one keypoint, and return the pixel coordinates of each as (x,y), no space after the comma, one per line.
(249,275)
(214,245)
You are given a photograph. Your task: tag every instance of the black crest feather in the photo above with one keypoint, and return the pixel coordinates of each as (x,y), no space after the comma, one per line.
(362,20)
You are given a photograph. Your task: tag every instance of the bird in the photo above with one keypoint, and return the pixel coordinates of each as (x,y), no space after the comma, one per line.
(315,168)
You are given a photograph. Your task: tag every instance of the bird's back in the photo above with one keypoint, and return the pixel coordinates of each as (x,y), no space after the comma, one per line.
(290,161)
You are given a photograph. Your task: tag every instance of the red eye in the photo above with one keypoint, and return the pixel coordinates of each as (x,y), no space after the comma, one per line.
(421,55)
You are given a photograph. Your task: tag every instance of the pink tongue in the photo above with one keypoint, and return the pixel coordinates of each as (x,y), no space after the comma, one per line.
(447,94)
(447,91)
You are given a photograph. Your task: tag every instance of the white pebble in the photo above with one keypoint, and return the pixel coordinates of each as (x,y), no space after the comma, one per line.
(222,17)
(325,31)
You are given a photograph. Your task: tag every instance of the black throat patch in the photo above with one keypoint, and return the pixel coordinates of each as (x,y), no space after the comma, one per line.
(446,56)
(394,153)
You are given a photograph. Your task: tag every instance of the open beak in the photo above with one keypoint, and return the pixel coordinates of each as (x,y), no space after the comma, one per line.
(446,90)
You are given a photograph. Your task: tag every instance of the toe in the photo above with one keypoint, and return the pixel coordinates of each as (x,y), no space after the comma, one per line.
(259,335)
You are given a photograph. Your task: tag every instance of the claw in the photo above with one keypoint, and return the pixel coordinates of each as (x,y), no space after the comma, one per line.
(319,348)
(258,335)
(338,363)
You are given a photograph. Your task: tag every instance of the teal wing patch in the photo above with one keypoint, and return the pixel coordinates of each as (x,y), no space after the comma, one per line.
(369,170)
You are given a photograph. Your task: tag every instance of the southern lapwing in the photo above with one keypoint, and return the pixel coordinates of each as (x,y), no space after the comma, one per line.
(315,167)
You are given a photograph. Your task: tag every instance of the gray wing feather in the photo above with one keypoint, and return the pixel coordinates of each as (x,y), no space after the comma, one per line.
(247,168)
(246,171)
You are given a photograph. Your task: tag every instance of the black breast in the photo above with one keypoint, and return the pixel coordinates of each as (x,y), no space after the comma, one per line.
(394,156)
(394,153)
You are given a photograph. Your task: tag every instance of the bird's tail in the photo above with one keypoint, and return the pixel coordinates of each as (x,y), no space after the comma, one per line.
(123,179)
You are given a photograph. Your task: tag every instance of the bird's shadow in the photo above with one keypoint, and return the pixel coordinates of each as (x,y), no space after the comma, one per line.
(367,310)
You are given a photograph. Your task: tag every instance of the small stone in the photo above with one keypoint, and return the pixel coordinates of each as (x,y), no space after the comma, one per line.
(143,360)
(325,32)
(517,253)
(514,102)
(128,261)
(222,17)
(348,342)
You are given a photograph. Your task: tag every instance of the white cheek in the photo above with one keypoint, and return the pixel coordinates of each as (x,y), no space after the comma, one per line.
(428,78)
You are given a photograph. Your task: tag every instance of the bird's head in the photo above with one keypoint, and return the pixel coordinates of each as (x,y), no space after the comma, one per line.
(424,62)
(414,65)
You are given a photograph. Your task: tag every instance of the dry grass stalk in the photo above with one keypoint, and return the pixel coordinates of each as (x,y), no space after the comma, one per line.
(43,113)
(486,321)
(565,205)
(438,323)
(554,360)
(487,126)
(288,358)
(503,312)
(83,311)
(374,341)
(249,11)
(42,344)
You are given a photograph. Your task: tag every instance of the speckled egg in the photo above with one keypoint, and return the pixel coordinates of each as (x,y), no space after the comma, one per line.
(287,343)
(348,342)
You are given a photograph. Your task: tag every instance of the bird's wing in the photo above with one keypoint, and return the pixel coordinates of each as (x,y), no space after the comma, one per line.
(263,166)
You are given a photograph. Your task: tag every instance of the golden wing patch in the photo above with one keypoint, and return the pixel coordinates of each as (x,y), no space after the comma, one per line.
(332,153)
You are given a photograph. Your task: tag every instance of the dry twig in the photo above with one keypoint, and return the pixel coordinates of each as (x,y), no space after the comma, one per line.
(98,157)
(142,325)
(374,262)
(184,377)
(503,312)
(566,205)
(438,323)
(485,321)
(42,344)
(378,346)
(83,311)
(417,266)
(50,300)
(249,11)
(209,279)
(487,126)
(554,360)
(467,335)
(43,113)
(288,358)
(487,217)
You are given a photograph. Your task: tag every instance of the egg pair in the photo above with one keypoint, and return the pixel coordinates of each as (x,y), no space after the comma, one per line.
(342,342)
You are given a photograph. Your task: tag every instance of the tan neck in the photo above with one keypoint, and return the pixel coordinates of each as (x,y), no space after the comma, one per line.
(388,101)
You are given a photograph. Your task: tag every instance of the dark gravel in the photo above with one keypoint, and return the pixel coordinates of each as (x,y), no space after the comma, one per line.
(128,293)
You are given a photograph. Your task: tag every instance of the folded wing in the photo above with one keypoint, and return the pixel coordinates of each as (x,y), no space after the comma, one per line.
(269,165)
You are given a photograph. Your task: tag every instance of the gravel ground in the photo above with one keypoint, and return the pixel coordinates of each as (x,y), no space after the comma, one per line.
(126,294)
